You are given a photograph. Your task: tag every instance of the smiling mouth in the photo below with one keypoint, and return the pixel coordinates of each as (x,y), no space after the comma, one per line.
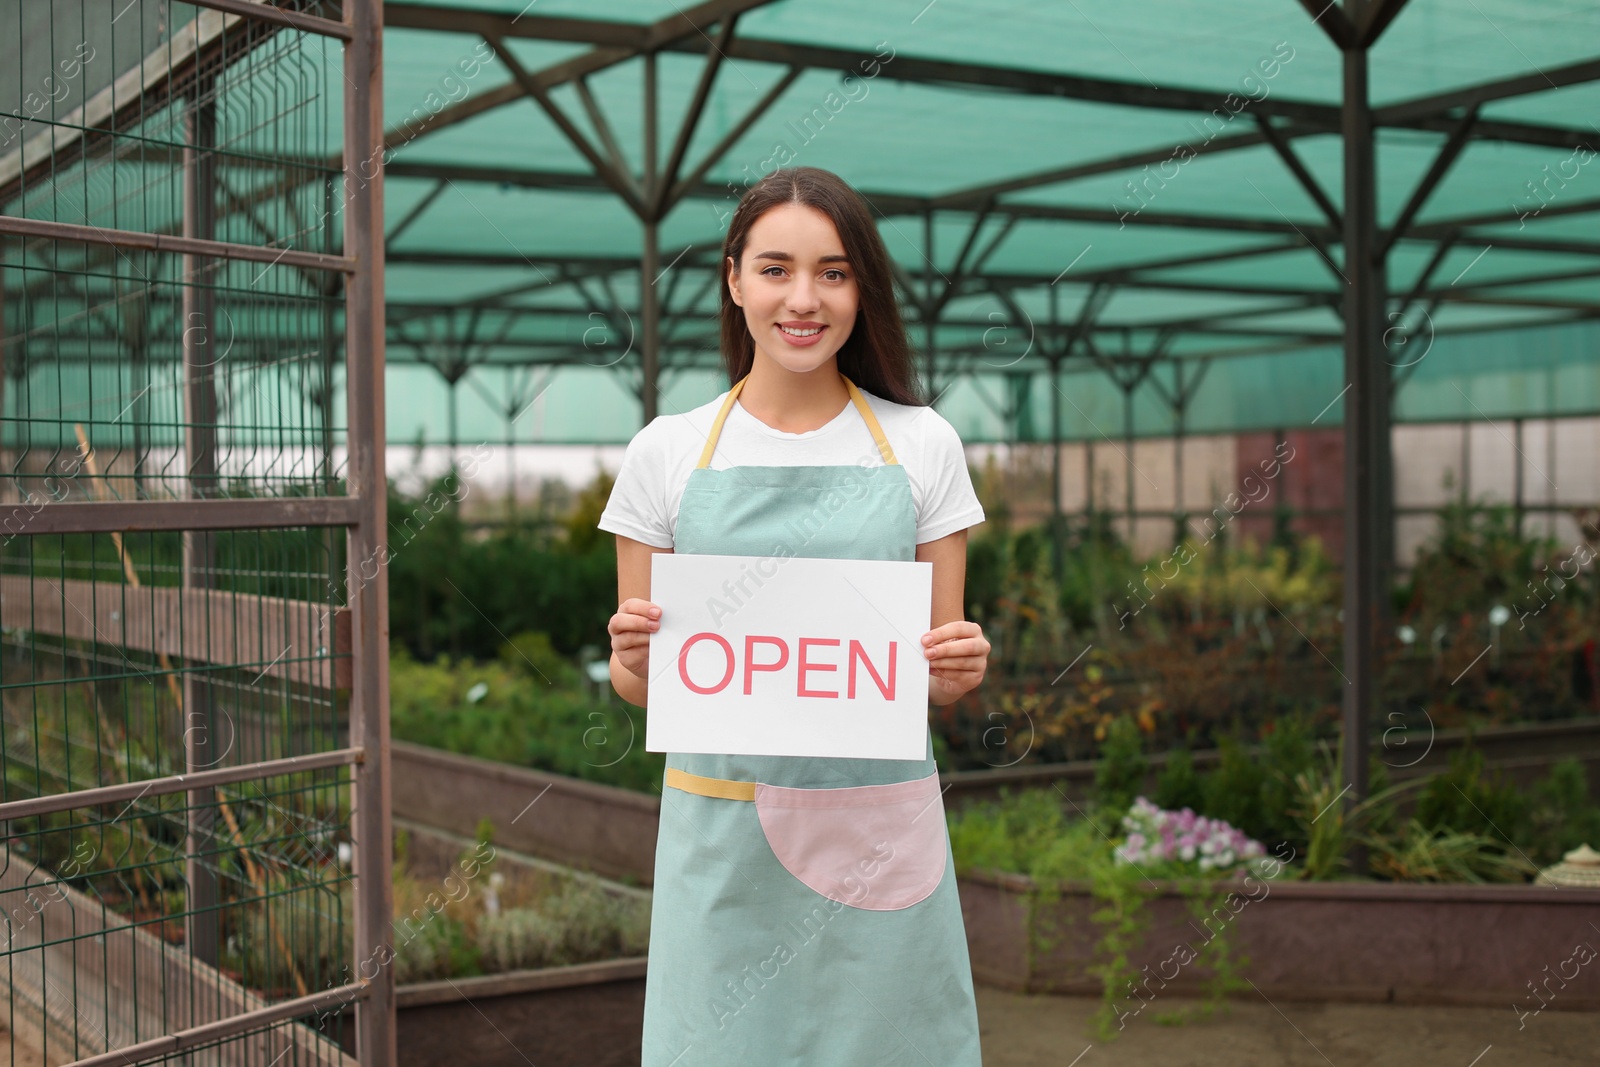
(809,332)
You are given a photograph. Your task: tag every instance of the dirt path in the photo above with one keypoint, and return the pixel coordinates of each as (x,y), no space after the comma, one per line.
(1048,1031)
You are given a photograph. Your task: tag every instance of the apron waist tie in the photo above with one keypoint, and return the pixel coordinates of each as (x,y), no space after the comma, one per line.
(721,788)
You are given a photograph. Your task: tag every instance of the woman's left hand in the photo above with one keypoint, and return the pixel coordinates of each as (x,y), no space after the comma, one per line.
(958,656)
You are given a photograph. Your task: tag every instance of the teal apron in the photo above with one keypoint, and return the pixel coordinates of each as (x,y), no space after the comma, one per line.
(805,908)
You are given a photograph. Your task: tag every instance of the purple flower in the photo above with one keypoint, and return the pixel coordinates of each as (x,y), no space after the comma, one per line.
(1156,834)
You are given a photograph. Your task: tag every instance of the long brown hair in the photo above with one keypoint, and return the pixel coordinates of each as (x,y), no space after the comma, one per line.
(876,355)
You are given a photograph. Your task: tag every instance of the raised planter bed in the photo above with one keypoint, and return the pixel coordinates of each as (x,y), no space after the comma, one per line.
(591,1015)
(560,1016)
(612,831)
(81,980)
(1348,941)
(599,828)
(432,853)
(1476,945)
(1524,752)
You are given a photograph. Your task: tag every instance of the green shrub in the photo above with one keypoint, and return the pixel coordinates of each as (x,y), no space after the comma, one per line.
(290,939)
(1179,785)
(1464,798)
(579,923)
(1328,822)
(1476,556)
(1119,777)
(1287,749)
(519,938)
(519,719)
(532,653)
(1562,813)
(1025,833)
(1252,788)
(454,591)
(1232,789)
(1425,854)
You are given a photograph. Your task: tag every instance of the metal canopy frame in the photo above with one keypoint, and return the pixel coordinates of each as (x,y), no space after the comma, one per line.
(710,29)
(484,330)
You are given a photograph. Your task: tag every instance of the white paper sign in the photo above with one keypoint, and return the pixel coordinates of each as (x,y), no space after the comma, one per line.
(760,655)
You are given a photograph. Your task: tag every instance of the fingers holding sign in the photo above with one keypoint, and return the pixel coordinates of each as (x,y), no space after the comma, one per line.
(957,651)
(630,630)
(958,657)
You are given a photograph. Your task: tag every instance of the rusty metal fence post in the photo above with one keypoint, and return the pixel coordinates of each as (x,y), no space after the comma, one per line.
(368,541)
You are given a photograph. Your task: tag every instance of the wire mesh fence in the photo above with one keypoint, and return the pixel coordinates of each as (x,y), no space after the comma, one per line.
(135,349)
(195,825)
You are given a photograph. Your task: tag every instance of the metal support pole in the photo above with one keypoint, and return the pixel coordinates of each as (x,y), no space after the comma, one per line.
(199,350)
(369,600)
(1282,516)
(1517,465)
(5,453)
(650,266)
(1180,409)
(330,341)
(1088,478)
(1549,467)
(200,455)
(139,376)
(130,326)
(513,402)
(333,540)
(930,307)
(1550,452)
(1366,433)
(452,380)
(650,313)
(1056,548)
(1127,447)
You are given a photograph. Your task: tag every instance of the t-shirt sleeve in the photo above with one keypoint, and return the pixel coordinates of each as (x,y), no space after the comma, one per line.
(949,501)
(638,504)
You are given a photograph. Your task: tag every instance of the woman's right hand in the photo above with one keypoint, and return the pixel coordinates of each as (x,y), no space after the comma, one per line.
(630,630)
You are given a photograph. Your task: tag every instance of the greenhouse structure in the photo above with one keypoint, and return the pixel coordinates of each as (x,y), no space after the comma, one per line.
(251,250)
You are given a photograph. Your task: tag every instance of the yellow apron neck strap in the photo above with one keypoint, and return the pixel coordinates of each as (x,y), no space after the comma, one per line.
(855,397)
(716,427)
(872,422)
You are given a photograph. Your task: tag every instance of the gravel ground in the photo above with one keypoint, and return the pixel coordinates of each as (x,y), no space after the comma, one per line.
(14,1052)
(1055,1031)
(1050,1031)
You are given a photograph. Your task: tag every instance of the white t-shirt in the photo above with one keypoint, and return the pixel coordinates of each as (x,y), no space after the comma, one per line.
(655,467)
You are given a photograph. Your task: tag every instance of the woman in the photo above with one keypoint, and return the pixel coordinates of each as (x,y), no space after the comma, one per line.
(805,908)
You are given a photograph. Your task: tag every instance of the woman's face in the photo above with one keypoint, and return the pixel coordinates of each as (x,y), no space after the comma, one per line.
(797,289)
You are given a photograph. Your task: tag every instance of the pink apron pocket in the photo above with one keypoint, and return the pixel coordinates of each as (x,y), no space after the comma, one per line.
(875,847)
